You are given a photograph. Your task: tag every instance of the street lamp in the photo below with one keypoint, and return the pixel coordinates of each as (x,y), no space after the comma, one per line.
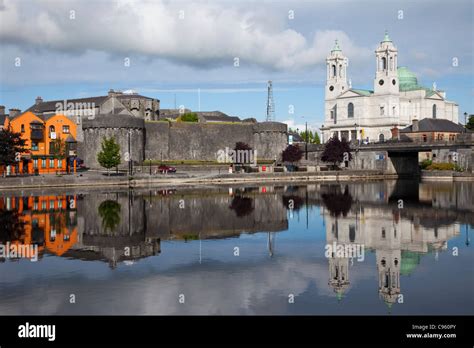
(306,142)
(355,129)
(129,152)
(465,122)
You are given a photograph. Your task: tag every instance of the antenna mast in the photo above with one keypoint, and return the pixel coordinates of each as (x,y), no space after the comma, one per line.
(270,104)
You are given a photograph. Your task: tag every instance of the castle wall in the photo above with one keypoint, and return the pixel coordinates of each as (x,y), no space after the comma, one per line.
(178,140)
(202,141)
(117,126)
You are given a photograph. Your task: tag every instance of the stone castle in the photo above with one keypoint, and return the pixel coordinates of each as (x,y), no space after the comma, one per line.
(144,132)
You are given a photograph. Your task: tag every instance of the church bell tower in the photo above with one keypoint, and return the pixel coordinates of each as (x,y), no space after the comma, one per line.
(336,78)
(386,76)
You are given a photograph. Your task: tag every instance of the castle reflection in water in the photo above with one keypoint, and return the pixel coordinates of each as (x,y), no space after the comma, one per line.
(399,221)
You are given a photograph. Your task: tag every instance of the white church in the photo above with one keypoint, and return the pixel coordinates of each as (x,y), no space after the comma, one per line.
(395,101)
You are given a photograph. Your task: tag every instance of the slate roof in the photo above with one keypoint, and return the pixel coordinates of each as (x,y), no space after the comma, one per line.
(435,125)
(296,137)
(217,116)
(46,106)
(51,105)
(70,139)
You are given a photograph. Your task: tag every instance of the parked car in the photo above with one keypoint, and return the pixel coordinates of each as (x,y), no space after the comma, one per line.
(80,165)
(166,169)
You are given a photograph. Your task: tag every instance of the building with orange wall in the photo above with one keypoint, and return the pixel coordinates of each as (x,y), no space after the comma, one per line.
(50,222)
(40,134)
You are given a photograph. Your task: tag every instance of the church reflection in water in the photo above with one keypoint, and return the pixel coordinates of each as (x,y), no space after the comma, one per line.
(398,221)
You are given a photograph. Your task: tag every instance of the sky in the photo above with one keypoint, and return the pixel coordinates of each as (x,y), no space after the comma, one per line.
(219,55)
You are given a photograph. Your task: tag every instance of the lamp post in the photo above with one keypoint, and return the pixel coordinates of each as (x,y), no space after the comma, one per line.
(355,129)
(306,142)
(129,152)
(465,122)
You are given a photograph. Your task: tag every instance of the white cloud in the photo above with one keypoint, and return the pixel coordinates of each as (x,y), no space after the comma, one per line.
(301,126)
(211,34)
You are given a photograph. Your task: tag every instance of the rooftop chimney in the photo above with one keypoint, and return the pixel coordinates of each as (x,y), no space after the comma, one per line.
(415,127)
(2,110)
(14,112)
(38,100)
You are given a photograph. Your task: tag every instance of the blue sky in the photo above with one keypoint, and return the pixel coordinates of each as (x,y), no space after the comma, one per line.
(70,49)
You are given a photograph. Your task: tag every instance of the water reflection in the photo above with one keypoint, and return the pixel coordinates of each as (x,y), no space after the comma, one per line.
(399,223)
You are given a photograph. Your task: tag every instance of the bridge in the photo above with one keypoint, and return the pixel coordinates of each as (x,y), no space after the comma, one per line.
(416,146)
(402,156)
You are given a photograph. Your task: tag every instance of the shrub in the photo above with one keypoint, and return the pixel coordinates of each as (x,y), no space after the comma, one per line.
(336,151)
(426,163)
(188,117)
(292,154)
(444,166)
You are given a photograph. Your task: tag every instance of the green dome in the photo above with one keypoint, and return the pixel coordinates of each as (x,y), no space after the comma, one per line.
(407,79)
(410,260)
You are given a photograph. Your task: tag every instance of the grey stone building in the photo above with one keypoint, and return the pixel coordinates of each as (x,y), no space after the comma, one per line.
(115,102)
(143,131)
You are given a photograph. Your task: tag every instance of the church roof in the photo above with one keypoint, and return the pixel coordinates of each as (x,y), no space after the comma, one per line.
(336,46)
(410,260)
(407,80)
(386,37)
(365,92)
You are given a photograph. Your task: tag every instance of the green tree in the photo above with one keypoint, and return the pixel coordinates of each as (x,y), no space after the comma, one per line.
(109,157)
(11,146)
(57,148)
(313,138)
(292,154)
(336,151)
(470,123)
(188,117)
(109,211)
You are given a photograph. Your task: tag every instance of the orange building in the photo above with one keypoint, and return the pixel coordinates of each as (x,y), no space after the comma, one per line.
(50,222)
(40,134)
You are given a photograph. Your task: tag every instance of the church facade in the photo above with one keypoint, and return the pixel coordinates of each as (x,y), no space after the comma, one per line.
(395,101)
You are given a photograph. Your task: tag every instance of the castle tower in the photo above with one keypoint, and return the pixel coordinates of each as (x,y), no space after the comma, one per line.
(336,78)
(386,77)
(388,267)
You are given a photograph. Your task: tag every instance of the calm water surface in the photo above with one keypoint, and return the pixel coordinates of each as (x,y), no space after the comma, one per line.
(241,250)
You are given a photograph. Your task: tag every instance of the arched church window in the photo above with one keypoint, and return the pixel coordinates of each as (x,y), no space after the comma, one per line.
(340,70)
(391,63)
(434,111)
(350,110)
(384,63)
(381,139)
(333,70)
